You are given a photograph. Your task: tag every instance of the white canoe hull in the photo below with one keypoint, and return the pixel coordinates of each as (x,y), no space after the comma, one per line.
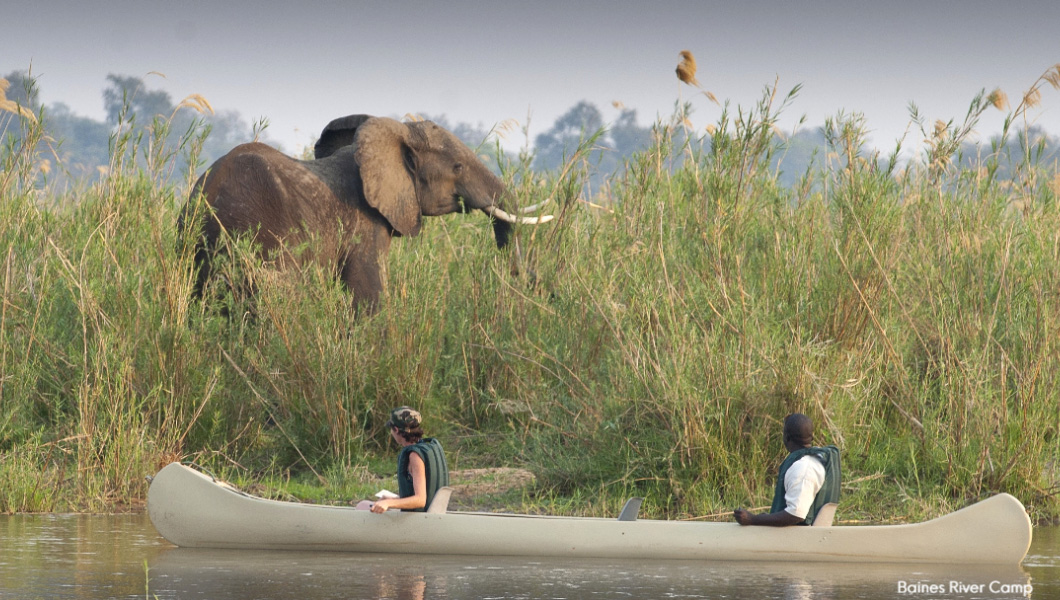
(190,509)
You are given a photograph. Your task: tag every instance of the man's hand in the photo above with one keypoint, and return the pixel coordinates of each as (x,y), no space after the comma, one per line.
(742,516)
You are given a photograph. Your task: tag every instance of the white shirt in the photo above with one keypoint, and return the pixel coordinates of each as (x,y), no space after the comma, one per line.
(801,484)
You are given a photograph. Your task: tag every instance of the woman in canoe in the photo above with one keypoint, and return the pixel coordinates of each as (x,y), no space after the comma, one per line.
(421,468)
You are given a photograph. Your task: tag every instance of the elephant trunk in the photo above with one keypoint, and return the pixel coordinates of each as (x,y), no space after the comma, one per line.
(502,219)
(485,192)
(502,230)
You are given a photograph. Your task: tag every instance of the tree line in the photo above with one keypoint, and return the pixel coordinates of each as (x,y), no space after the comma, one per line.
(81,146)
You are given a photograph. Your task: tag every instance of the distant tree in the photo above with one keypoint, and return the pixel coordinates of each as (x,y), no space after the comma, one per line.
(804,148)
(1023,148)
(22,90)
(82,142)
(131,93)
(566,134)
(142,106)
(626,136)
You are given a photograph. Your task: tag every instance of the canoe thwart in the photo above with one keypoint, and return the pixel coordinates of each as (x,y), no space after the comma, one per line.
(825,515)
(630,510)
(440,503)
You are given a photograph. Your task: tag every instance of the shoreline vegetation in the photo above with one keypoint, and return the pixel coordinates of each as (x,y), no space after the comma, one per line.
(647,342)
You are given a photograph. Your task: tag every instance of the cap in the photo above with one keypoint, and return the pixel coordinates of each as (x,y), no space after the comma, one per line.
(404,418)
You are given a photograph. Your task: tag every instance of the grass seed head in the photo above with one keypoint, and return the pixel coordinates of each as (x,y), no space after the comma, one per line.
(1053,76)
(998,98)
(686,69)
(197,103)
(940,129)
(1032,98)
(11,106)
(505,127)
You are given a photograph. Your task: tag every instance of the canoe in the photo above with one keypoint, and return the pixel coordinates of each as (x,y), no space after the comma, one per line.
(191,509)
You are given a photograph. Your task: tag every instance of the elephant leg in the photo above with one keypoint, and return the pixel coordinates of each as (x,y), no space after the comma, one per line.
(360,273)
(203,268)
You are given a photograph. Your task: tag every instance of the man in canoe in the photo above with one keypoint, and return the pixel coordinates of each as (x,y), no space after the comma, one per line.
(808,479)
(422,469)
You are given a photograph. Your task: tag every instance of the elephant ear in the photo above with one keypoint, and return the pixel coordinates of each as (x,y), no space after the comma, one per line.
(388,186)
(337,134)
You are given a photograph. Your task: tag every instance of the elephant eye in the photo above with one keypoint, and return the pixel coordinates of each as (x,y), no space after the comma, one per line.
(458,168)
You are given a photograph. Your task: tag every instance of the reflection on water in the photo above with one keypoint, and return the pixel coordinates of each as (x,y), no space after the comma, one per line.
(75,556)
(286,575)
(105,557)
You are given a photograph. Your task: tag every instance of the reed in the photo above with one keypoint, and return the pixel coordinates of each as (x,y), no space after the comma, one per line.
(647,342)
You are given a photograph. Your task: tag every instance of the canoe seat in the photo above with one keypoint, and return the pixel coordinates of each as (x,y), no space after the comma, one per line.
(440,503)
(825,515)
(630,510)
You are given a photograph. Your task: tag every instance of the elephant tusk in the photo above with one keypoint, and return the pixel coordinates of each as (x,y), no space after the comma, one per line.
(534,207)
(503,216)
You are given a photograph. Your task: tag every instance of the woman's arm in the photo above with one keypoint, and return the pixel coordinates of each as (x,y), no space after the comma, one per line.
(418,499)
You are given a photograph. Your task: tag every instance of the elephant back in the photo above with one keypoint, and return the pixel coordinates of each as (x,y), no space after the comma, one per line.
(257,188)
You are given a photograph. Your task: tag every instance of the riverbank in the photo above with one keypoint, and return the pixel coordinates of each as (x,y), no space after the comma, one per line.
(647,342)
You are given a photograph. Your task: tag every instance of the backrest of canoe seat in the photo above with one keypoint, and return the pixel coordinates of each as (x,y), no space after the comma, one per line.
(630,510)
(825,515)
(440,504)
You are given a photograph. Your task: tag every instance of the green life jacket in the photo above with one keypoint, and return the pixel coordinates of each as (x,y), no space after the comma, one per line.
(829,492)
(437,471)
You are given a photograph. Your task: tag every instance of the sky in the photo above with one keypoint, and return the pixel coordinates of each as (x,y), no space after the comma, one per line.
(301,64)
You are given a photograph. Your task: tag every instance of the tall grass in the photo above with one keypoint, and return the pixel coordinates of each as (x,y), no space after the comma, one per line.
(648,341)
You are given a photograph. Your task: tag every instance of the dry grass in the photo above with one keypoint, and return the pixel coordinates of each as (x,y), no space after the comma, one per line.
(197,103)
(11,106)
(1032,98)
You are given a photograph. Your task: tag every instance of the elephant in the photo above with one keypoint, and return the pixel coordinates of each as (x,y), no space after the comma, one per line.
(373,178)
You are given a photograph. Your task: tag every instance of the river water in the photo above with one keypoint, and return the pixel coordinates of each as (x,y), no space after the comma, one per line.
(108,556)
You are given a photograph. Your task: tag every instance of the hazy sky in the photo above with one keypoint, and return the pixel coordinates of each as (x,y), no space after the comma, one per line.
(303,63)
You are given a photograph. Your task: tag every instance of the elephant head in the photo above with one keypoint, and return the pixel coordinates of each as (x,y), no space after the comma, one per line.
(444,167)
(373,178)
